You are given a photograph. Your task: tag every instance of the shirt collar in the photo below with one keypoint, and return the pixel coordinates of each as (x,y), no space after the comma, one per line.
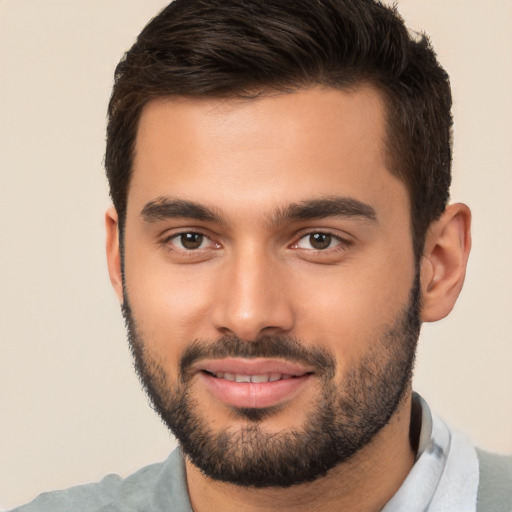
(445,474)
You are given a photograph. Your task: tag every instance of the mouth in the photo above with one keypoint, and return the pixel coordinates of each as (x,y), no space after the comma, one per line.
(258,379)
(253,383)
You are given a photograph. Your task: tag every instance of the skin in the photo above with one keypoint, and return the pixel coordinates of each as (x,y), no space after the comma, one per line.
(247,160)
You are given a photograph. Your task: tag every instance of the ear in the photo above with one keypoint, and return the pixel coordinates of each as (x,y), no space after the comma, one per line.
(113,251)
(444,260)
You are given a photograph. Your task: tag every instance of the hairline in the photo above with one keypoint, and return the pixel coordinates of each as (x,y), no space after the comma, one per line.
(391,159)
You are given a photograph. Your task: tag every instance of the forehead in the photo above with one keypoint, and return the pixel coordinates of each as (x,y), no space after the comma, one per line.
(263,152)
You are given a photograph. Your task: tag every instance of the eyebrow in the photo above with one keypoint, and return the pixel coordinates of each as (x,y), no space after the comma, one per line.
(164,208)
(332,206)
(169,208)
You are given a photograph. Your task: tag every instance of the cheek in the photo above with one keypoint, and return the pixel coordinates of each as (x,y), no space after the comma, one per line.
(349,309)
(169,308)
(170,305)
(165,326)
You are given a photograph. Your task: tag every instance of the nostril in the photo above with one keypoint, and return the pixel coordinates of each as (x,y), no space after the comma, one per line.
(248,316)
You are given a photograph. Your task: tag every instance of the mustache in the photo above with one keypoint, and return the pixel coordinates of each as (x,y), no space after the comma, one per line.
(267,346)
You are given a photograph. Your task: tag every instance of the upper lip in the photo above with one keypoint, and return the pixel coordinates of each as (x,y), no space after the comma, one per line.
(252,366)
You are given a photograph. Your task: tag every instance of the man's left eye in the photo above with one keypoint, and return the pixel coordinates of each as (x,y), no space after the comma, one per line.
(318,241)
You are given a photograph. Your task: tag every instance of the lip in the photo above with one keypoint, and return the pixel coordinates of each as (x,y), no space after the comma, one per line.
(252,394)
(255,366)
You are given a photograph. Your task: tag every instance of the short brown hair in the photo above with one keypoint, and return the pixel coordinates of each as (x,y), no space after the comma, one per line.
(242,48)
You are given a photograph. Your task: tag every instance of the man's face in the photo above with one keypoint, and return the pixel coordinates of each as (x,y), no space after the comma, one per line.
(270,285)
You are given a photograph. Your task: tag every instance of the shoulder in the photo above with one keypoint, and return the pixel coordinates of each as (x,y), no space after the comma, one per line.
(495,486)
(90,497)
(157,487)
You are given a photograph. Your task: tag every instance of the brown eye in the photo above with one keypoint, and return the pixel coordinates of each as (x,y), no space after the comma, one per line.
(317,241)
(321,246)
(189,241)
(320,241)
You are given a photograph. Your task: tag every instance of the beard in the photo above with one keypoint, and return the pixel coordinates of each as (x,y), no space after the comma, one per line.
(344,419)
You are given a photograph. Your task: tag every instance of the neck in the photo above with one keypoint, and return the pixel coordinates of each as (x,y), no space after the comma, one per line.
(365,483)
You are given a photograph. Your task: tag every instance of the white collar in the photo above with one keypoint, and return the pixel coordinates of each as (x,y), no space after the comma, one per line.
(445,475)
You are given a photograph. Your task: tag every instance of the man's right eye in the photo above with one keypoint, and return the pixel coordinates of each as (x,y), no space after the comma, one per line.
(189,241)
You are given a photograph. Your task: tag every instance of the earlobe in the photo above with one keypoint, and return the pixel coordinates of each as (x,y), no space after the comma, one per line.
(443,265)
(113,251)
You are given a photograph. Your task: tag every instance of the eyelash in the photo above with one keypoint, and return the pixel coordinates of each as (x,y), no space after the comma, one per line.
(341,243)
(167,241)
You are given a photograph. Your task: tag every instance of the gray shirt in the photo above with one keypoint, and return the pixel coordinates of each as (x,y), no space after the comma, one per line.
(448,476)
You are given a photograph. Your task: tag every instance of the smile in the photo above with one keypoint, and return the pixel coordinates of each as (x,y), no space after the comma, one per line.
(252,383)
(237,377)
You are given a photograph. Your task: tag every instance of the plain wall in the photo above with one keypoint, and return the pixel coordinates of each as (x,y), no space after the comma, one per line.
(70,405)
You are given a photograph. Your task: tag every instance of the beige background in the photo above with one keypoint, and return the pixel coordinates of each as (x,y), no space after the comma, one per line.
(70,406)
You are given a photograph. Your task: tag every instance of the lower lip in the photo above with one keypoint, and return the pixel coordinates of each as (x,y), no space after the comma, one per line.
(251,394)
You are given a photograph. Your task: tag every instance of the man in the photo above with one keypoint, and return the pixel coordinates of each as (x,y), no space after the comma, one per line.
(280,175)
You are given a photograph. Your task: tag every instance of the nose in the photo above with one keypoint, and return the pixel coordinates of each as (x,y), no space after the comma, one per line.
(252,297)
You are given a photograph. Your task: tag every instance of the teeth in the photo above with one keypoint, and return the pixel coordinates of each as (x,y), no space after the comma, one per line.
(260,378)
(268,377)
